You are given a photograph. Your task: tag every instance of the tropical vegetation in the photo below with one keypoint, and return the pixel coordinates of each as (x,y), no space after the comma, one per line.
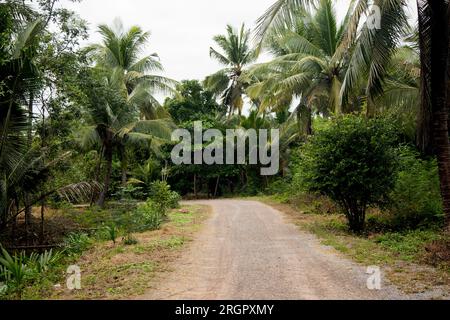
(362,109)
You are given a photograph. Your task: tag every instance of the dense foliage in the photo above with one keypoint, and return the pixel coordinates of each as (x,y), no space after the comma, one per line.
(415,200)
(192,103)
(352,162)
(362,115)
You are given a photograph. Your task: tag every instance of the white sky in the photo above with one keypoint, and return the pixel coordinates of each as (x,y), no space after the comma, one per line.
(182,30)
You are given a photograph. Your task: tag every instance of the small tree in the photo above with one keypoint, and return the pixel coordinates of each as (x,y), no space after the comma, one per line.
(353,163)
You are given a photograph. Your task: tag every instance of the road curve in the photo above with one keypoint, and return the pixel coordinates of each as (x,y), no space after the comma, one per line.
(247,250)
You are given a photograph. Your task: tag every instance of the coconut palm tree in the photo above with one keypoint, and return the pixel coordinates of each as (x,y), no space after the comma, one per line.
(434,34)
(121,54)
(308,65)
(235,55)
(18,73)
(119,57)
(22,169)
(113,123)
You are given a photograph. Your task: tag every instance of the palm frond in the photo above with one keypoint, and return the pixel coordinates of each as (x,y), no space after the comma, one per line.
(160,128)
(88,138)
(325,27)
(26,37)
(146,64)
(79,192)
(374,50)
(13,125)
(218,82)
(280,14)
(219,57)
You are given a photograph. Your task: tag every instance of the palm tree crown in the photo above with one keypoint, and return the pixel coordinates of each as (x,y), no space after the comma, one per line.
(121,54)
(307,65)
(236,54)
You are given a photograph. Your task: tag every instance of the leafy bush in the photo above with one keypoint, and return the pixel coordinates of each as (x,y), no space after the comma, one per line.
(125,217)
(147,217)
(416,198)
(174,200)
(112,232)
(17,270)
(3,288)
(313,203)
(13,269)
(76,243)
(129,192)
(91,217)
(352,162)
(438,253)
(42,262)
(278,186)
(163,197)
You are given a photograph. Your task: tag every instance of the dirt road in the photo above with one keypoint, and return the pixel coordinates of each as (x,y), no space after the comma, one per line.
(248,250)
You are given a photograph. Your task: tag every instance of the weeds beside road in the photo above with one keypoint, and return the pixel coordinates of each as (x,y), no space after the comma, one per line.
(113,264)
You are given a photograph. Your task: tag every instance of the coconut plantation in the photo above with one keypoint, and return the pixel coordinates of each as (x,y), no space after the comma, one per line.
(206,150)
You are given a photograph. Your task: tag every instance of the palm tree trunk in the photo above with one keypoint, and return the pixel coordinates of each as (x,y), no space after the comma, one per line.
(304,117)
(42,235)
(217,187)
(124,165)
(28,210)
(124,173)
(309,123)
(43,140)
(447,210)
(14,224)
(107,180)
(439,87)
(370,112)
(424,135)
(195,186)
(97,173)
(441,141)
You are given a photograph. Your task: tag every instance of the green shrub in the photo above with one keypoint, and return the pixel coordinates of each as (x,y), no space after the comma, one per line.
(76,243)
(112,231)
(163,197)
(3,288)
(174,200)
(313,203)
(352,162)
(147,217)
(42,262)
(129,192)
(17,270)
(278,186)
(13,269)
(91,217)
(416,198)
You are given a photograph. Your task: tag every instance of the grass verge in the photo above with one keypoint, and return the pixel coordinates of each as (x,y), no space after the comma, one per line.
(120,271)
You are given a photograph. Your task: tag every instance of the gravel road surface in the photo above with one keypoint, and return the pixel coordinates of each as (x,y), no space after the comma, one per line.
(248,250)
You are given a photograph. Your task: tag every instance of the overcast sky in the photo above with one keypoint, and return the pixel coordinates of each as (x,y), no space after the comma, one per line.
(182,30)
